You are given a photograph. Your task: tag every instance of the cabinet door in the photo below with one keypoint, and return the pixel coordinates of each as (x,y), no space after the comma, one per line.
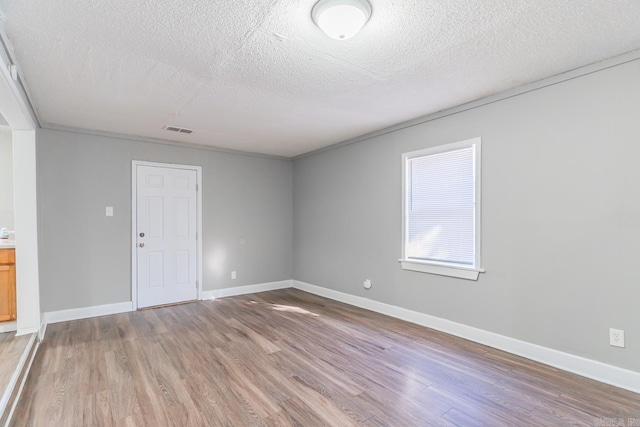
(7,293)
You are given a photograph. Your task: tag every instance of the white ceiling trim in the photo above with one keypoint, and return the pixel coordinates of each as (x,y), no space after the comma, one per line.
(126,137)
(540,84)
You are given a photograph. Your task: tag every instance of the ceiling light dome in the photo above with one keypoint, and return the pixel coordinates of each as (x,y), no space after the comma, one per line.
(341,19)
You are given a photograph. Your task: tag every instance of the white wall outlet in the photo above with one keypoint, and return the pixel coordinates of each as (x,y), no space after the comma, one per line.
(233,275)
(367,284)
(109,210)
(616,337)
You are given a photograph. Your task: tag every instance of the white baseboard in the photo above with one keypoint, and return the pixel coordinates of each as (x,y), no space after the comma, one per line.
(8,327)
(26,331)
(43,328)
(609,374)
(123,307)
(86,312)
(243,290)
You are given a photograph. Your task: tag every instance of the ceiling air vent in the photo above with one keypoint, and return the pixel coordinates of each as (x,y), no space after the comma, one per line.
(177,129)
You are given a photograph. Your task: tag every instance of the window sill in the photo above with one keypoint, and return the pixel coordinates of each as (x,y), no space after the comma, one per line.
(441,270)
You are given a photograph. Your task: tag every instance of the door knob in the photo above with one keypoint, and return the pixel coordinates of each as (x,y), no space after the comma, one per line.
(141,234)
(141,245)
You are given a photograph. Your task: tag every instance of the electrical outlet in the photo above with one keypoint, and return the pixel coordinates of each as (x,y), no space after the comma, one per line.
(109,211)
(233,275)
(616,338)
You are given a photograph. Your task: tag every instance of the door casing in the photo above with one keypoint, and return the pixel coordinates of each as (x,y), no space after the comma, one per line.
(134,230)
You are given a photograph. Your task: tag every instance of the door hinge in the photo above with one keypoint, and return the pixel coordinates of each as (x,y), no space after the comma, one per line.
(196,187)
(196,235)
(196,284)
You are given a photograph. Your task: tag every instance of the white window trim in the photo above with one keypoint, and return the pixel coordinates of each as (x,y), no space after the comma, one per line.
(444,269)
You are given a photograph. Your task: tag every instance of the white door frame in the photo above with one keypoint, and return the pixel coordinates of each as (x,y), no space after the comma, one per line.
(134,230)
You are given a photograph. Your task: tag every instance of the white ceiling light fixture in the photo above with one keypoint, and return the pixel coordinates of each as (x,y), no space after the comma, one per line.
(341,19)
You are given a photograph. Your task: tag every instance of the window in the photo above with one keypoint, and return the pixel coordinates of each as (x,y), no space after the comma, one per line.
(441,210)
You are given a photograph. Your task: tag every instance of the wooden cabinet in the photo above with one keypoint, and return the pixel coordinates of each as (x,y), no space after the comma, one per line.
(7,285)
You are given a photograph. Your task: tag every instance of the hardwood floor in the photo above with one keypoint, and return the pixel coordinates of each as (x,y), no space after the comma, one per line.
(289,358)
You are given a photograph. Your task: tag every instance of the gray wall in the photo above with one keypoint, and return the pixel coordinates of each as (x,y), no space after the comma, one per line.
(6,178)
(560,226)
(85,257)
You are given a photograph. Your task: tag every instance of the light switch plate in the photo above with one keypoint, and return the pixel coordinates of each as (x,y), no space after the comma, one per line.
(109,210)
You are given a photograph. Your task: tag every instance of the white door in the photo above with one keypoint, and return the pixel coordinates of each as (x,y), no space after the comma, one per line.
(166,235)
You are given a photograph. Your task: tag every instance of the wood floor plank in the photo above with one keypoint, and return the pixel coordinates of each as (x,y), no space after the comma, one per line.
(288,358)
(148,391)
(97,411)
(327,410)
(296,413)
(121,386)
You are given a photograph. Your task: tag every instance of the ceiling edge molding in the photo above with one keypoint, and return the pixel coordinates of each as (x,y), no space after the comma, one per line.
(18,86)
(70,129)
(520,90)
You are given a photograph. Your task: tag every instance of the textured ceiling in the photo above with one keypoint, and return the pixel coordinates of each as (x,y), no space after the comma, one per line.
(259,76)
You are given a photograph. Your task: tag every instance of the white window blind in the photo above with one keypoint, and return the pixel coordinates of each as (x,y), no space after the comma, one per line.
(440,211)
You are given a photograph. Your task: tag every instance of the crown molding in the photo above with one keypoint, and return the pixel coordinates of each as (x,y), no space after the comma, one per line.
(115,135)
(520,90)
